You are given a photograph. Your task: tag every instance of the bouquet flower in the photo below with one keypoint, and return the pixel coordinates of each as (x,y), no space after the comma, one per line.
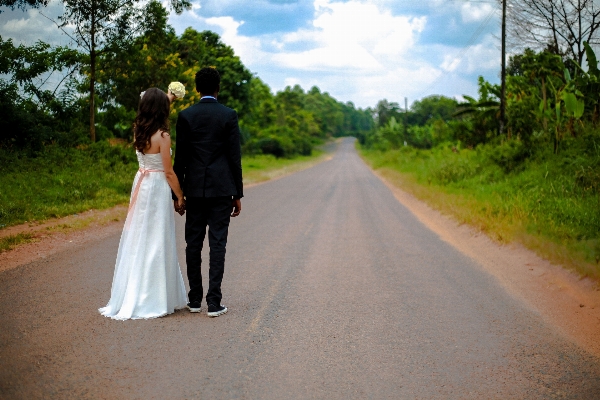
(177,89)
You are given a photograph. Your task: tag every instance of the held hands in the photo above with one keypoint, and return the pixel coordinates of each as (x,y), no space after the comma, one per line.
(179,206)
(236,204)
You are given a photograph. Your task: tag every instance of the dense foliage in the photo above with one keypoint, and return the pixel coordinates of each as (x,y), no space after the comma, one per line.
(549,99)
(283,124)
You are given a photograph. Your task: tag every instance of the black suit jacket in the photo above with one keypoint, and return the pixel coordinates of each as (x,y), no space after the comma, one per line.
(208,156)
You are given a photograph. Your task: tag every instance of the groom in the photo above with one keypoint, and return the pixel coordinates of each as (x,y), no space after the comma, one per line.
(208,166)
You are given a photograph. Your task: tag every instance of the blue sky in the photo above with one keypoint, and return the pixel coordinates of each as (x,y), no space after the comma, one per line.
(357,50)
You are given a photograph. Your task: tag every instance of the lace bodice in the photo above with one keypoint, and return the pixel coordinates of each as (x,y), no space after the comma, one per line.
(150,161)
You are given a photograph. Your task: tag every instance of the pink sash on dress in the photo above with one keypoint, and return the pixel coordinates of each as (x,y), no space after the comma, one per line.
(144,172)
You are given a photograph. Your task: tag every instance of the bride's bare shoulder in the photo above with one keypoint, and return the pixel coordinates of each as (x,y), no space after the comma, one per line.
(159,136)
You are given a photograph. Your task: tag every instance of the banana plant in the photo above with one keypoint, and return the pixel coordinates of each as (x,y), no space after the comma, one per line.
(572,98)
(482,109)
(586,86)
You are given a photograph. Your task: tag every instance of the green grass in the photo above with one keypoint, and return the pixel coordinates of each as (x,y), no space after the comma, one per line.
(8,242)
(550,203)
(65,181)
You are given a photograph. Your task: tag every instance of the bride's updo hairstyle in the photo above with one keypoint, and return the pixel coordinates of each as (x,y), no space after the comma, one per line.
(152,115)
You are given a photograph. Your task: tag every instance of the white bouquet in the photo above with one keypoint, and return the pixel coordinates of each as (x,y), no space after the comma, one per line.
(177,89)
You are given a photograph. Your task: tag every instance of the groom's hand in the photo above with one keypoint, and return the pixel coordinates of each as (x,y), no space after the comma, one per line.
(179,208)
(236,204)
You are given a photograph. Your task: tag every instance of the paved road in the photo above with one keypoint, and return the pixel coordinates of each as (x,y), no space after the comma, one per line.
(335,291)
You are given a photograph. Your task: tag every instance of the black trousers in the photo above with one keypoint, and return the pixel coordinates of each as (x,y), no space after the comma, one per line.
(213,212)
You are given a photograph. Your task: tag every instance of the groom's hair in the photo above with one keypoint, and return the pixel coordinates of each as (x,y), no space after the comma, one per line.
(208,80)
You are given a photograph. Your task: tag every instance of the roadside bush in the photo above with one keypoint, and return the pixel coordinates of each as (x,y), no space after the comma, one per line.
(454,168)
(64,180)
(510,155)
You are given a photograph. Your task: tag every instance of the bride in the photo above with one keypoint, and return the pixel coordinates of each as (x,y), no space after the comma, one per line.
(147,281)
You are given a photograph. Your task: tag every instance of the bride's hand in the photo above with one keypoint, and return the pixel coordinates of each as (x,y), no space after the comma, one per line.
(181,206)
(171,97)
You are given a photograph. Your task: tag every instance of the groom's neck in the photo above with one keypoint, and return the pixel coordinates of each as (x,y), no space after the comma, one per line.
(215,94)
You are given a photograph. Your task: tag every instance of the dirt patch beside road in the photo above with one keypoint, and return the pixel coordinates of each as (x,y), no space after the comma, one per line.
(59,234)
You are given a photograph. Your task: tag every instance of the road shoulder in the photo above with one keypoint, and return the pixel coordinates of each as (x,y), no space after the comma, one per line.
(560,296)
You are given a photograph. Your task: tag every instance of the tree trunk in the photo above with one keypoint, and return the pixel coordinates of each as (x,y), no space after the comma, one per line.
(545,100)
(503,73)
(92,92)
(580,34)
(554,35)
(93,73)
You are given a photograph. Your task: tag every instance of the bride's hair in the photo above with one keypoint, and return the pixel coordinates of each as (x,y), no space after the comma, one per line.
(152,116)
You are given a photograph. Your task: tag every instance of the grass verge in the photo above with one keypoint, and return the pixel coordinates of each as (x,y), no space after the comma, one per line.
(549,203)
(63,181)
(66,181)
(8,242)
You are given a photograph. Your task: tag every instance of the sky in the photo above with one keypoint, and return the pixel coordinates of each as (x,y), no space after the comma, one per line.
(356,50)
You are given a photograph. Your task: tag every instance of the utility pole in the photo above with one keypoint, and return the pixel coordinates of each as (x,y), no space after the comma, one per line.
(503,73)
(405,119)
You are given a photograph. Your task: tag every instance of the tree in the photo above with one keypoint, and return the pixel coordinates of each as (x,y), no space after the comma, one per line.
(32,113)
(327,110)
(432,107)
(202,49)
(149,60)
(26,65)
(384,110)
(561,26)
(100,25)
(23,4)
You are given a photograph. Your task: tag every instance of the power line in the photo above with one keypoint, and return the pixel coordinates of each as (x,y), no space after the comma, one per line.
(462,52)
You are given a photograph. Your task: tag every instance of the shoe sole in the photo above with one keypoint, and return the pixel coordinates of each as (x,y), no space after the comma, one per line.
(193,309)
(217,313)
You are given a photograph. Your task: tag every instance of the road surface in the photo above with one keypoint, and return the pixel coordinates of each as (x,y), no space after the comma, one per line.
(335,290)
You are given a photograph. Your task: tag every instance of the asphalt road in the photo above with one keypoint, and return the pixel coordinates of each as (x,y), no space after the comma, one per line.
(335,290)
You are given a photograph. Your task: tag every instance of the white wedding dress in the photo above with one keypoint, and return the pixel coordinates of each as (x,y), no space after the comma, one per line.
(147,282)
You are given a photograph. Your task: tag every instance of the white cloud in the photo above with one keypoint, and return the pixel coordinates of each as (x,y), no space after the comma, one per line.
(30,26)
(480,57)
(450,63)
(247,48)
(355,49)
(293,82)
(475,12)
(353,35)
(359,50)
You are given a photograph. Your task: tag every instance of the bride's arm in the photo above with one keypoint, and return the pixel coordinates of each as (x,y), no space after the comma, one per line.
(165,154)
